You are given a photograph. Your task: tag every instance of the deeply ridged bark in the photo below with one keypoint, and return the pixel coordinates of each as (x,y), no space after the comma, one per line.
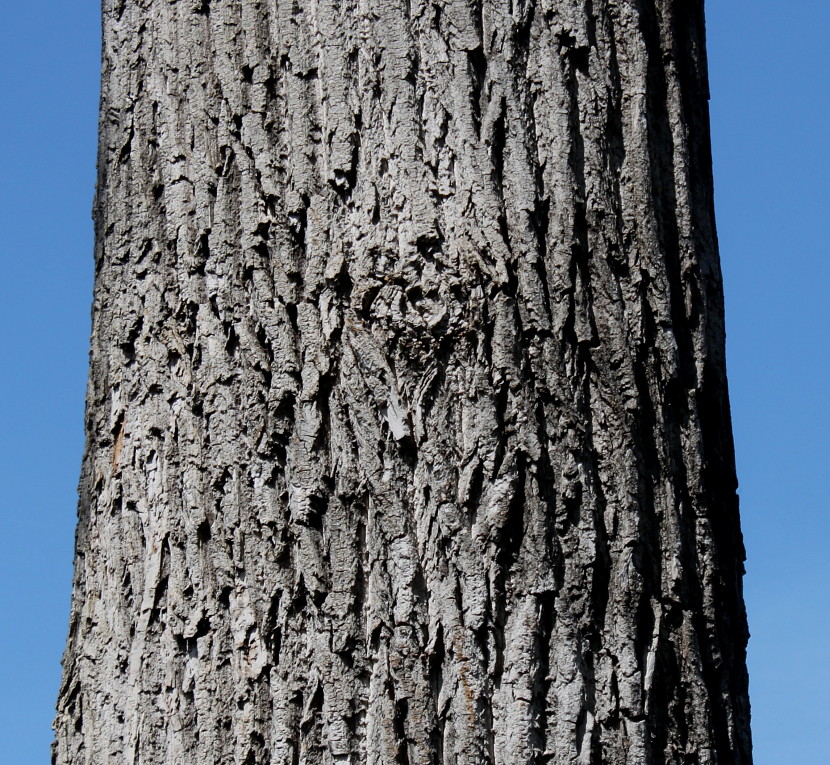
(408,431)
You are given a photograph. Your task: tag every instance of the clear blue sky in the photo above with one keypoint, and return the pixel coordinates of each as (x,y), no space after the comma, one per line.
(769,70)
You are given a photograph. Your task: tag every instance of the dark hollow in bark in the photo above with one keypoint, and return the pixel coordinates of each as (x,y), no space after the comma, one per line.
(408,438)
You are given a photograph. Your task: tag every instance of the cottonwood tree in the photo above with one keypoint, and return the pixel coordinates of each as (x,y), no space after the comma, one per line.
(408,438)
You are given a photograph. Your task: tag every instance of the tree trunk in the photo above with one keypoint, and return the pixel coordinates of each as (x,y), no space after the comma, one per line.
(408,438)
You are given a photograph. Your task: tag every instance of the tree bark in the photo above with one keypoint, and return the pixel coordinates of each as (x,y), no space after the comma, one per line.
(408,438)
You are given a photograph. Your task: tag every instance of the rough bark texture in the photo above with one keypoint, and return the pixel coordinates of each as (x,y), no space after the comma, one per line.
(408,430)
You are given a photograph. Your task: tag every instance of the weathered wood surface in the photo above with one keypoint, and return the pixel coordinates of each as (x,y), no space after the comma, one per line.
(408,429)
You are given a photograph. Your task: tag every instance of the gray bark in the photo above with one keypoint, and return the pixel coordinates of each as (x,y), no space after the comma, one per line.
(408,437)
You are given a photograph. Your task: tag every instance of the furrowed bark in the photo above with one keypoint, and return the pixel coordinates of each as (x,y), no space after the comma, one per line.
(408,437)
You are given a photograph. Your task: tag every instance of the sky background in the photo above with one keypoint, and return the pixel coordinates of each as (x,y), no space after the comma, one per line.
(770,82)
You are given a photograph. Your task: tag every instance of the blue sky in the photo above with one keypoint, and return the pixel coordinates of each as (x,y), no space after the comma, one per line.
(770,107)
